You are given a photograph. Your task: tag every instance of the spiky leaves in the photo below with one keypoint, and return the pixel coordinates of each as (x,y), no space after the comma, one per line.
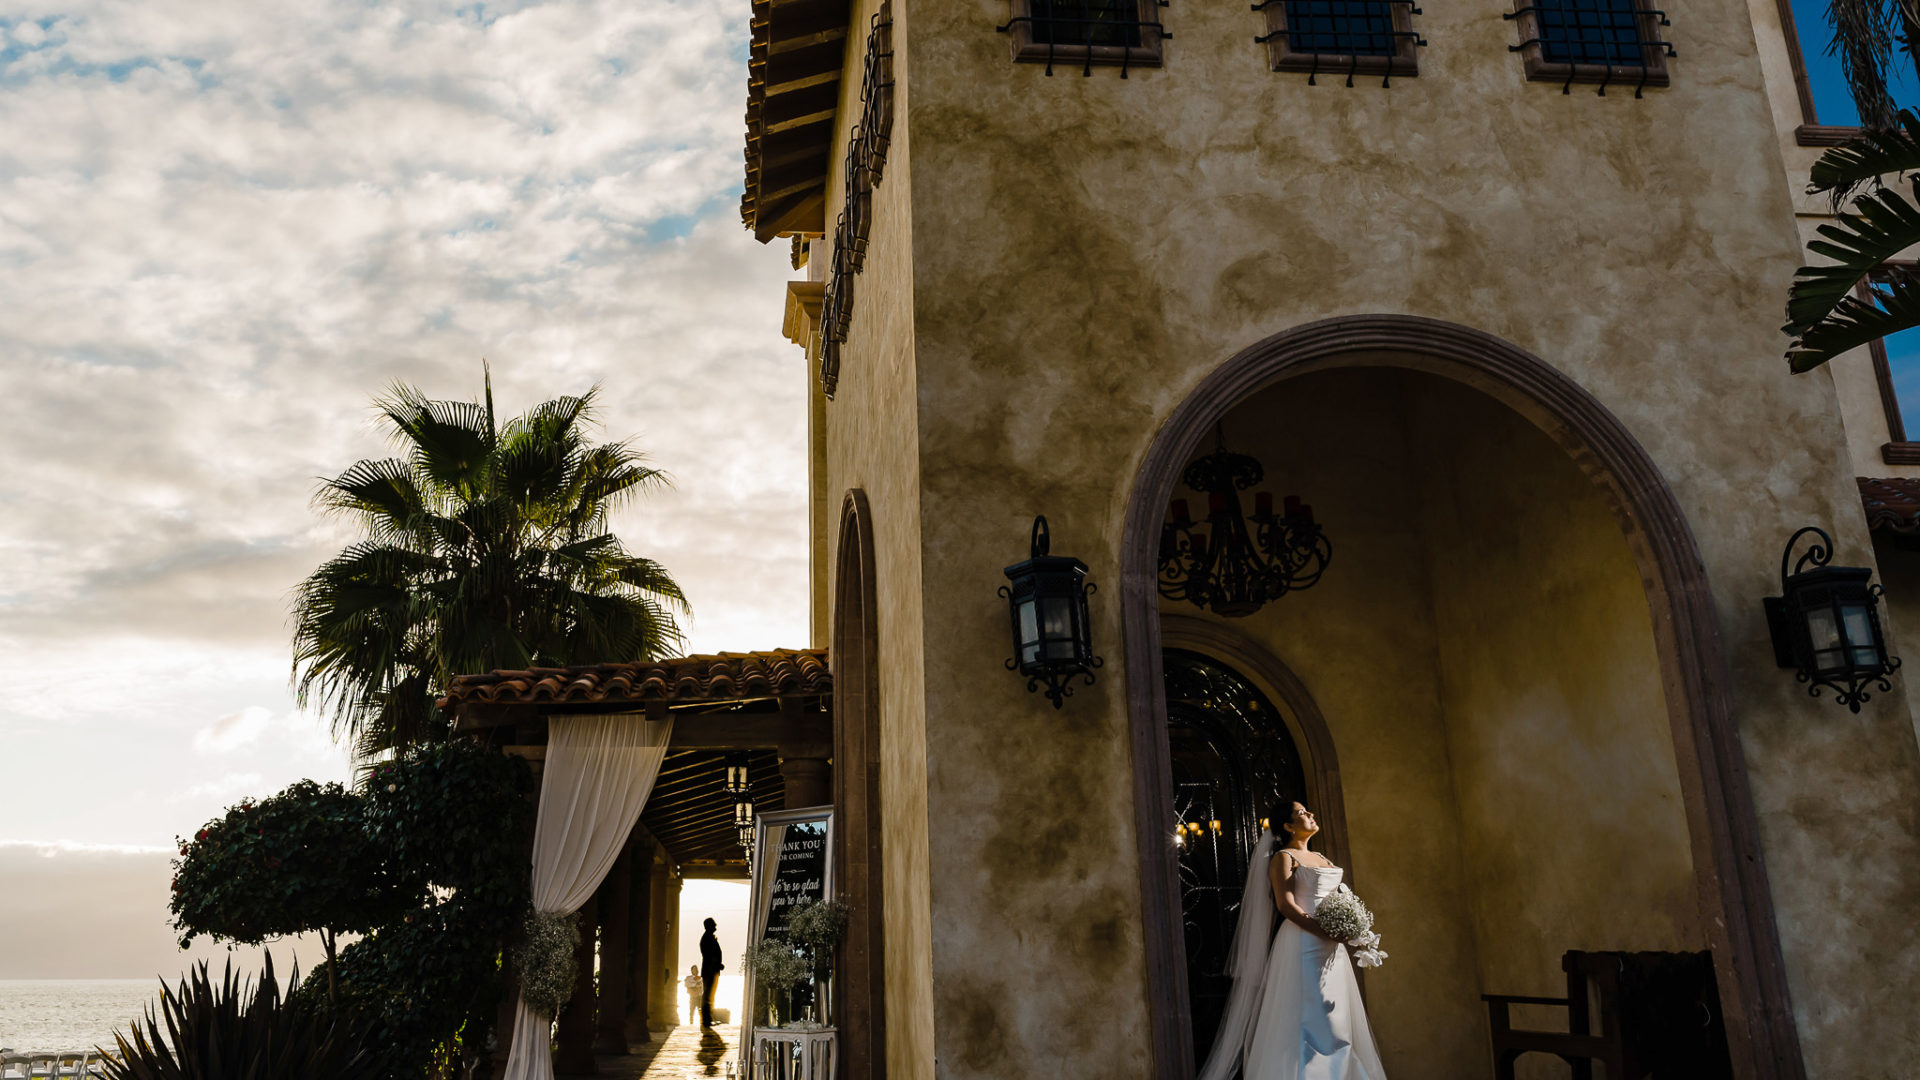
(485,545)
(1857,297)
(240,1032)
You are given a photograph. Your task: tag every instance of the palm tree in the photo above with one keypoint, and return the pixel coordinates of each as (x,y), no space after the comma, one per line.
(1858,297)
(484,547)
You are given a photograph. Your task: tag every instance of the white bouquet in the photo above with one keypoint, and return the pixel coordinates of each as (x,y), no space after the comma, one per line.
(1344,918)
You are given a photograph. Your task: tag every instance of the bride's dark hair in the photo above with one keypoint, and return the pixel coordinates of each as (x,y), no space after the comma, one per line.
(1279,814)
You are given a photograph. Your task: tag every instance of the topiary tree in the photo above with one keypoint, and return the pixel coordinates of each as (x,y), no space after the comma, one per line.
(458,818)
(301,861)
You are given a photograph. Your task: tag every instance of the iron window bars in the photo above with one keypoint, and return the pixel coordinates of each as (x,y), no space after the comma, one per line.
(1374,37)
(1123,33)
(1592,41)
(865,165)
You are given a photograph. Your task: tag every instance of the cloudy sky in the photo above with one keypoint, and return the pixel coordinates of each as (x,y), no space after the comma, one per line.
(224,227)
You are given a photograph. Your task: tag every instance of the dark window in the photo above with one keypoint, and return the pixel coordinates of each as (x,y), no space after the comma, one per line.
(1341,37)
(1123,33)
(1901,353)
(1341,27)
(1589,31)
(1087,22)
(1593,41)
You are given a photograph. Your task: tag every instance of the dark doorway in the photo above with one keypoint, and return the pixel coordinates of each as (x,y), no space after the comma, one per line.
(1233,758)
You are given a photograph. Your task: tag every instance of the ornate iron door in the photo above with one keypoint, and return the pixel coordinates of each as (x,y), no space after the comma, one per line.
(1233,758)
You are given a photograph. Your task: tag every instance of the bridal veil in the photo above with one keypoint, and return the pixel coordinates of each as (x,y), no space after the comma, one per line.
(1247,963)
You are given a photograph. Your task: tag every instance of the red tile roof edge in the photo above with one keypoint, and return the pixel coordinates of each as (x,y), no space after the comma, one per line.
(1892,503)
(714,677)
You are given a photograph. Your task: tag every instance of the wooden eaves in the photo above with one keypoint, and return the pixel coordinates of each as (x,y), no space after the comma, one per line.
(793,92)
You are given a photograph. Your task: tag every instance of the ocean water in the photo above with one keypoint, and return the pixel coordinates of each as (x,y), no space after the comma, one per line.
(70,1014)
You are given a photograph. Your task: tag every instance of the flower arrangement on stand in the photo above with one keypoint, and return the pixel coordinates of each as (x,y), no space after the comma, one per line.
(777,968)
(816,929)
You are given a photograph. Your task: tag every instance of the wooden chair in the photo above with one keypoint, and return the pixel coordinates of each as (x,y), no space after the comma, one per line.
(1578,1046)
(1658,1016)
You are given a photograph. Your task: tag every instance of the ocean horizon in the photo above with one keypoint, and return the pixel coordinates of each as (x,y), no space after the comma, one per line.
(39,1015)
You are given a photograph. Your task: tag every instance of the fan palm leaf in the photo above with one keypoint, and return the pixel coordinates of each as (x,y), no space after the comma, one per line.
(486,546)
(1858,295)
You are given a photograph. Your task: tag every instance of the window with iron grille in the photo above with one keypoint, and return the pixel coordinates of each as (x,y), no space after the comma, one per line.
(1120,33)
(1609,42)
(1341,37)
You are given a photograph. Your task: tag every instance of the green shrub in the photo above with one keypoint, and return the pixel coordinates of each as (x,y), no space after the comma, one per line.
(233,1031)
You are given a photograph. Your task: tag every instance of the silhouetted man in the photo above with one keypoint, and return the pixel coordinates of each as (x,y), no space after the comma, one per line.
(710,965)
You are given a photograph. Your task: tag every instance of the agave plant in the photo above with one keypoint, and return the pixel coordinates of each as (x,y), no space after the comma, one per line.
(1859,296)
(236,1031)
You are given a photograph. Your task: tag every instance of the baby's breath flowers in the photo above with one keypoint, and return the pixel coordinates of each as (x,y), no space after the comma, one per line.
(1342,917)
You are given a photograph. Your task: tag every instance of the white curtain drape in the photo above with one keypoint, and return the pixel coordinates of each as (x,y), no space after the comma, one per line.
(598,774)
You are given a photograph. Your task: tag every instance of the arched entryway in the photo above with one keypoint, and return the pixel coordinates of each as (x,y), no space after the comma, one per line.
(1681,677)
(856,791)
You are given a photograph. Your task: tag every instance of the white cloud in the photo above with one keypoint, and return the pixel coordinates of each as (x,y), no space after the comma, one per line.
(53,849)
(228,788)
(232,731)
(225,225)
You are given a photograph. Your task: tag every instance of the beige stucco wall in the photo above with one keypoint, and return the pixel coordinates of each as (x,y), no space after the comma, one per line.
(1067,257)
(1574,828)
(867,437)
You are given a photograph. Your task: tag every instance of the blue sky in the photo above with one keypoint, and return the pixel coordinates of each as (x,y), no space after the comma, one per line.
(224,227)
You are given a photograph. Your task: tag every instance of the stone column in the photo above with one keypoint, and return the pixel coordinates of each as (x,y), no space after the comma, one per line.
(672,923)
(610,1035)
(663,977)
(575,1034)
(808,781)
(640,939)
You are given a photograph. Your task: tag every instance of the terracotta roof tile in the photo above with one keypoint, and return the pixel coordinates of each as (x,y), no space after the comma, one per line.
(1892,505)
(693,678)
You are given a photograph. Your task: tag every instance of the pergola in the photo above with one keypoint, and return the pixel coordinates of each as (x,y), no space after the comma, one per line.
(773,707)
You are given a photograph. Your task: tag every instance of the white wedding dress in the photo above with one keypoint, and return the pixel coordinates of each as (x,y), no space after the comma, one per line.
(1294,1012)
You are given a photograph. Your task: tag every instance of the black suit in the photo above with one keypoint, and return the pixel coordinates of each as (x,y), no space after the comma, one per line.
(710,965)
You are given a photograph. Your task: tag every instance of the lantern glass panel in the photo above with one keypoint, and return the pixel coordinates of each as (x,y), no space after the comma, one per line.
(1859,630)
(743,814)
(1823,633)
(1029,629)
(1058,624)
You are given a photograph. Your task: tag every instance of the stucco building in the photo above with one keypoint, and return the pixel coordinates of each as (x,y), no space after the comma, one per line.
(1498,297)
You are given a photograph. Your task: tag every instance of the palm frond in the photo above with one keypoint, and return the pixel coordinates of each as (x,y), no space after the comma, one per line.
(1881,225)
(450,442)
(1867,158)
(1863,43)
(1893,306)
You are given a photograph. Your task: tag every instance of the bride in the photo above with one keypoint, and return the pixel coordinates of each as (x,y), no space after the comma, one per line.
(1295,1011)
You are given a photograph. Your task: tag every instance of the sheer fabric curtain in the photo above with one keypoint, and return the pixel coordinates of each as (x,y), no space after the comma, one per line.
(598,774)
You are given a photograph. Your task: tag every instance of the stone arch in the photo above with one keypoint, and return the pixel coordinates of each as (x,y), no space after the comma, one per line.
(1730,875)
(853,654)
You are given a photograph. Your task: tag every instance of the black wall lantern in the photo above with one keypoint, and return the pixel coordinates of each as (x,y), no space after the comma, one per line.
(1826,624)
(1052,639)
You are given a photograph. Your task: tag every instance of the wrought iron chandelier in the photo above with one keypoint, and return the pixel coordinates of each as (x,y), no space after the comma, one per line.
(1231,563)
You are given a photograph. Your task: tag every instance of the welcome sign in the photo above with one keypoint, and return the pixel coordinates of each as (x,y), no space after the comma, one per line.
(799,872)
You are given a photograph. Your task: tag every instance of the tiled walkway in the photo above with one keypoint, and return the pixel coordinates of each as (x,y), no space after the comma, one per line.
(683,1053)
